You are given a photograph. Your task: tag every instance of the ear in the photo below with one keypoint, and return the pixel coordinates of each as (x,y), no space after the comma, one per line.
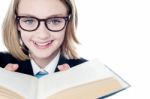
(18,27)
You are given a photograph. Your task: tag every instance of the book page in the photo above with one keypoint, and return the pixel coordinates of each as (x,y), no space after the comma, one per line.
(82,74)
(121,81)
(21,84)
(92,90)
(8,94)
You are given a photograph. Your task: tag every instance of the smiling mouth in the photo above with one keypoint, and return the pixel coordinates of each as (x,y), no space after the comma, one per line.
(42,45)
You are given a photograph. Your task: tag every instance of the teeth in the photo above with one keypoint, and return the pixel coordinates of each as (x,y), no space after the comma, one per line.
(42,44)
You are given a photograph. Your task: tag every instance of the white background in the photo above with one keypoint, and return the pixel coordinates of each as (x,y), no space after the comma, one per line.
(116,32)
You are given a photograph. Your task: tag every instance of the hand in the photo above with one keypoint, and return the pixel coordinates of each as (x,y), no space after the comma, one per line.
(63,67)
(11,67)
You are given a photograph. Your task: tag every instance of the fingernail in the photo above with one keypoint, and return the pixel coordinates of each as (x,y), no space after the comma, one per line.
(15,66)
(60,67)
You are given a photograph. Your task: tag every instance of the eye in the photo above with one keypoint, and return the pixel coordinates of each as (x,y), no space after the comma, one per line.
(55,21)
(29,21)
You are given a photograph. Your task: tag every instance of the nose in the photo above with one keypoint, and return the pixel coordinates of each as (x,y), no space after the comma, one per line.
(42,32)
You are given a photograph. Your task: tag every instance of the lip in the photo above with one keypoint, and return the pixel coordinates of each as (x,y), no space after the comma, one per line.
(42,45)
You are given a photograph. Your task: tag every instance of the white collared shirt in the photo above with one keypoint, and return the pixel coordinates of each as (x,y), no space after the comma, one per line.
(50,68)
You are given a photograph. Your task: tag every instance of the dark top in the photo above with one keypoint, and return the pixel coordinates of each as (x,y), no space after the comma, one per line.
(25,66)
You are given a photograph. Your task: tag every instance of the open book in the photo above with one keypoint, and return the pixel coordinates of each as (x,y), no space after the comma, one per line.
(88,80)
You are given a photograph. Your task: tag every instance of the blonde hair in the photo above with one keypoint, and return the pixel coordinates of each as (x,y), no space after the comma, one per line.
(12,38)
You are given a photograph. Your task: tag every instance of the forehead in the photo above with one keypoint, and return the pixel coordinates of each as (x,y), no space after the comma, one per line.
(41,8)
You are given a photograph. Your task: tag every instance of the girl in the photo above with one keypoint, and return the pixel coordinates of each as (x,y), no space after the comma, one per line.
(40,36)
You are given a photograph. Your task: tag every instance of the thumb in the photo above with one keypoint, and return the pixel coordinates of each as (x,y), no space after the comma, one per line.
(11,67)
(63,67)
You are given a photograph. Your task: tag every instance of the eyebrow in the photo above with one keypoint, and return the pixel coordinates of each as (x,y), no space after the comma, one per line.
(55,15)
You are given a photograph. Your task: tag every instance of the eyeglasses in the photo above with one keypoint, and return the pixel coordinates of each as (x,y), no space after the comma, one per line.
(54,24)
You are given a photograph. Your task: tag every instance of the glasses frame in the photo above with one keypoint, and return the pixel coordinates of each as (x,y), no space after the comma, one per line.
(39,22)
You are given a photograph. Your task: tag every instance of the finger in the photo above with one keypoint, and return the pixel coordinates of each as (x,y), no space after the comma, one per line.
(60,67)
(63,67)
(11,67)
(66,66)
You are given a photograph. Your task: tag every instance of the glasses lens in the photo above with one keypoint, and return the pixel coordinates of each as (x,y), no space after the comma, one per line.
(28,23)
(56,24)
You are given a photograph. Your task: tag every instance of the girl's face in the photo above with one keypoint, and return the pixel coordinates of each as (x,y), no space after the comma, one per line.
(42,43)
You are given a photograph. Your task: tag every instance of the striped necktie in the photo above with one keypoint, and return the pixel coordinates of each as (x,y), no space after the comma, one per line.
(41,74)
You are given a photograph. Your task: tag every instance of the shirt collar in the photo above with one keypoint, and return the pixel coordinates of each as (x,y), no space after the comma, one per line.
(50,68)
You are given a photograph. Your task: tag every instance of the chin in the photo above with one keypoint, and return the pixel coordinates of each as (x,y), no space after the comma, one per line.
(44,55)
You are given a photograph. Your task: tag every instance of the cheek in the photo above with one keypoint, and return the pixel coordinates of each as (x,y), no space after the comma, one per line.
(25,37)
(60,37)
